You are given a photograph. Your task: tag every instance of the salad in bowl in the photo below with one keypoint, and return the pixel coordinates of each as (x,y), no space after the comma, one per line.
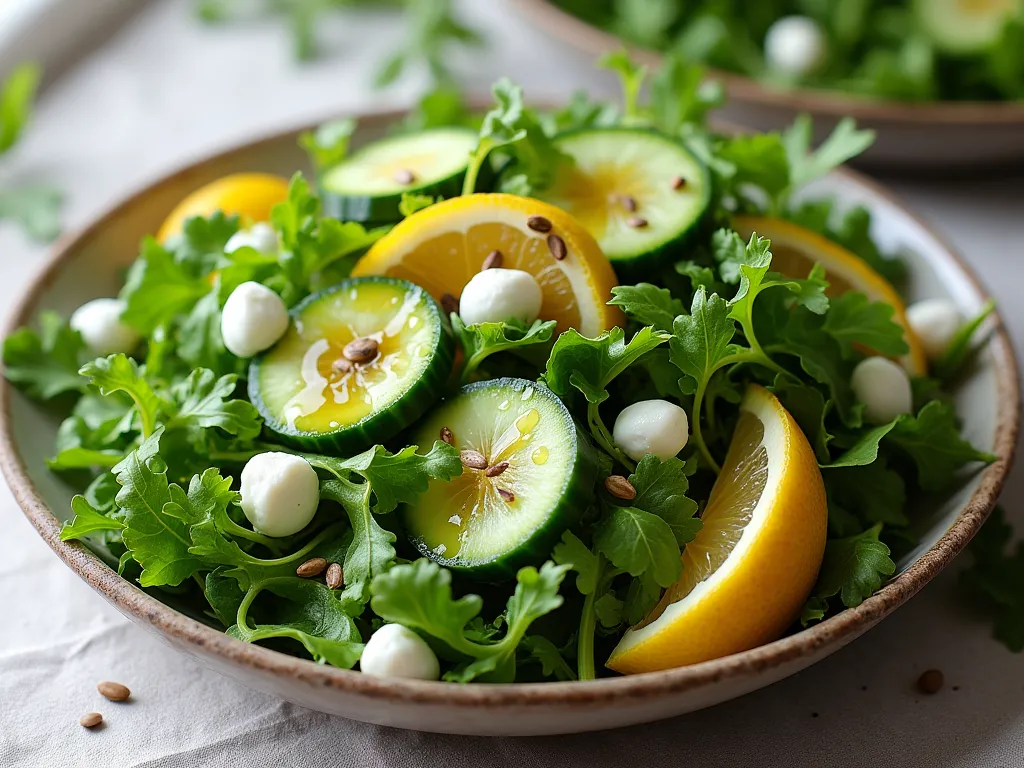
(542,395)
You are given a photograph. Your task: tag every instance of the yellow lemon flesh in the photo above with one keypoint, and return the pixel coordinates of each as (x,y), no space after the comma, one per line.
(754,562)
(795,250)
(250,196)
(441,247)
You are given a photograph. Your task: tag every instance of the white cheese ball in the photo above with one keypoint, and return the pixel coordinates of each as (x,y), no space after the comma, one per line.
(395,651)
(254,318)
(99,323)
(883,387)
(280,493)
(496,295)
(795,45)
(651,426)
(260,236)
(935,323)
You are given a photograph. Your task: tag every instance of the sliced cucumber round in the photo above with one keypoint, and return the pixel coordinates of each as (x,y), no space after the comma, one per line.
(638,192)
(360,362)
(368,185)
(963,28)
(540,475)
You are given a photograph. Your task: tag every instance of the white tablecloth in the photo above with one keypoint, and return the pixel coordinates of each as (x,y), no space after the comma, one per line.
(163,90)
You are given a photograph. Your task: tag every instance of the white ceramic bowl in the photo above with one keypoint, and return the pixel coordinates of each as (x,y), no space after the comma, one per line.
(88,266)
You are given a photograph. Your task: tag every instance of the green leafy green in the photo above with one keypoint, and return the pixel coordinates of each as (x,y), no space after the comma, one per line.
(648,304)
(995,579)
(45,364)
(854,320)
(854,568)
(481,340)
(328,144)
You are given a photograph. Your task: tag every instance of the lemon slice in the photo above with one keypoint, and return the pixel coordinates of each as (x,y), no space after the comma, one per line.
(796,249)
(441,247)
(754,562)
(248,195)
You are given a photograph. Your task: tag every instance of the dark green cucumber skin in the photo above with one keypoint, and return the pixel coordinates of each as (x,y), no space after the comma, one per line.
(577,495)
(383,209)
(379,426)
(642,266)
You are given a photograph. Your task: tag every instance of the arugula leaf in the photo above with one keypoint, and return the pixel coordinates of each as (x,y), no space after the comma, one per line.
(854,320)
(641,597)
(158,288)
(519,131)
(481,340)
(548,655)
(87,521)
(200,245)
(310,613)
(864,449)
(572,552)
(661,488)
(680,94)
(873,493)
(119,373)
(79,447)
(35,208)
(199,339)
(960,349)
(854,568)
(158,541)
(808,407)
(648,304)
(639,542)
(203,400)
(418,595)
(845,142)
(631,75)
(932,439)
(45,364)
(328,144)
(411,203)
(757,160)
(996,579)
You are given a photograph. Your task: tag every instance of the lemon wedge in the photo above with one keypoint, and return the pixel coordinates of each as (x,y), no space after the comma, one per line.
(754,562)
(441,247)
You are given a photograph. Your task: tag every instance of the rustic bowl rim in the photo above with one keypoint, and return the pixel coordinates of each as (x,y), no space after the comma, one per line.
(833,103)
(187,632)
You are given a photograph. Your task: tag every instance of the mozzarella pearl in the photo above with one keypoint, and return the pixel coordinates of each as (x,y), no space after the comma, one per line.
(651,426)
(254,318)
(260,236)
(496,295)
(883,387)
(795,45)
(99,323)
(395,651)
(280,493)
(935,323)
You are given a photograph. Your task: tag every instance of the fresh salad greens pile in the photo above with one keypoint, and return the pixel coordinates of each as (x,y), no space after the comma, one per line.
(908,50)
(156,441)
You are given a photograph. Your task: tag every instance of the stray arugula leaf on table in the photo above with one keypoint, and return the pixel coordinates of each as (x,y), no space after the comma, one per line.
(995,579)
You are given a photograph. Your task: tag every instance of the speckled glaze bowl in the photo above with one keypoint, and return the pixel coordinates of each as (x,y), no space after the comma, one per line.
(88,265)
(919,137)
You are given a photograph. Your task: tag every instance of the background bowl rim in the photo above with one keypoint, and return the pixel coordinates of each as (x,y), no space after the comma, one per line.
(584,36)
(183,631)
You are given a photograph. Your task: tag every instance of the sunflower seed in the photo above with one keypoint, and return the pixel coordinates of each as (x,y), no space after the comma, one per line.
(90,719)
(449,303)
(637,222)
(472,459)
(539,224)
(619,487)
(628,202)
(678,182)
(114,691)
(312,567)
(930,681)
(508,496)
(404,176)
(335,576)
(447,436)
(341,366)
(497,469)
(360,350)
(557,247)
(493,261)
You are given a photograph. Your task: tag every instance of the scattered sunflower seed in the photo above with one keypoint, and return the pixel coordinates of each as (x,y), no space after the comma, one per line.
(507,495)
(472,459)
(619,487)
(449,303)
(493,261)
(335,576)
(557,247)
(404,176)
(312,567)
(930,681)
(341,366)
(539,224)
(637,222)
(360,350)
(628,202)
(678,182)
(497,469)
(447,436)
(114,691)
(90,719)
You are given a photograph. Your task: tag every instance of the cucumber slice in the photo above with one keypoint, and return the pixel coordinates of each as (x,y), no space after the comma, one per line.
(468,524)
(314,397)
(368,185)
(964,27)
(625,188)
